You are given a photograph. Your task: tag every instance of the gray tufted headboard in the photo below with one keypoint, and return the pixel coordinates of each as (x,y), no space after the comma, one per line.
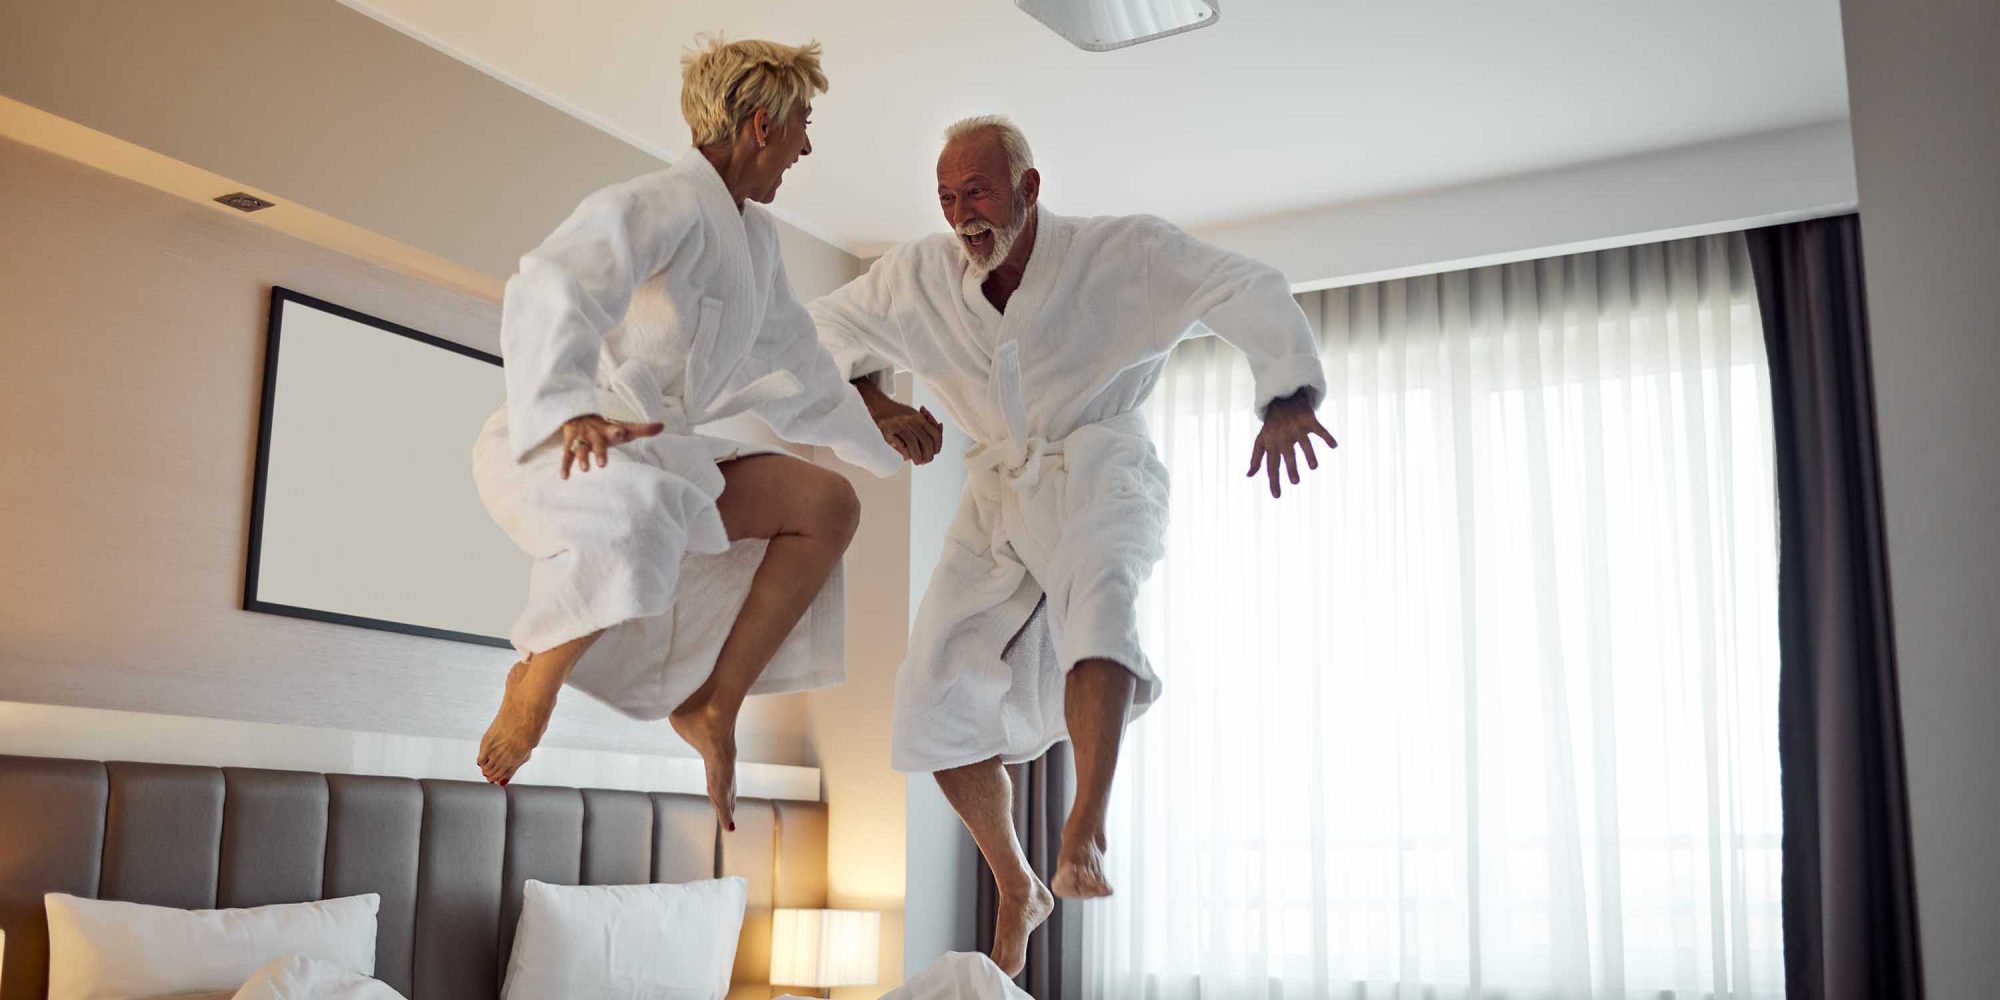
(449,858)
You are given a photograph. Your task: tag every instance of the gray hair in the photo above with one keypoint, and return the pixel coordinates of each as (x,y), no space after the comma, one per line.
(1020,159)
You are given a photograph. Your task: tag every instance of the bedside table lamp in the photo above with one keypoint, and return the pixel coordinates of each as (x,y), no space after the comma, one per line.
(825,948)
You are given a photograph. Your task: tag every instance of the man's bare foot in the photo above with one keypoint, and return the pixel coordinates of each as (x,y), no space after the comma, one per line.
(1020,913)
(713,735)
(517,727)
(1080,868)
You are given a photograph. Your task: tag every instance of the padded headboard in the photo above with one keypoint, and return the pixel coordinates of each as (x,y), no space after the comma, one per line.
(449,858)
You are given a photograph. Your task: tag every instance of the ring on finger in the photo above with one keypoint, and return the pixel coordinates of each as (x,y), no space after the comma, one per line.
(580,444)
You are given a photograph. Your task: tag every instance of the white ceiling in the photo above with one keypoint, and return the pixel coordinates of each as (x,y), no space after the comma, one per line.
(1283,105)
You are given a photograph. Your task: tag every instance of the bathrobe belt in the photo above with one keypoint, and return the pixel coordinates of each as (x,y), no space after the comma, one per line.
(633,383)
(1023,458)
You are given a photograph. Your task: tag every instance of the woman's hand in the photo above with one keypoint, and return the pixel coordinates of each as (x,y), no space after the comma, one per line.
(591,436)
(1289,423)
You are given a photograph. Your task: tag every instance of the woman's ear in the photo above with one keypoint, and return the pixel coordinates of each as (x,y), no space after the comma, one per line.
(760,126)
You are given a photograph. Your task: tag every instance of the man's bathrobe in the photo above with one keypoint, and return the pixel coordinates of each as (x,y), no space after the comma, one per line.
(658,301)
(1064,496)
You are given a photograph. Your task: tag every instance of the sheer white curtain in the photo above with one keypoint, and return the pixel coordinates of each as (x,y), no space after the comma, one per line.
(1486,708)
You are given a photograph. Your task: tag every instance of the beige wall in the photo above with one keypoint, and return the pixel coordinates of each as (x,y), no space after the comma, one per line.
(940,859)
(866,808)
(1924,82)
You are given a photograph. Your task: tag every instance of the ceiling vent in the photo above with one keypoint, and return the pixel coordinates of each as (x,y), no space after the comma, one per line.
(244,201)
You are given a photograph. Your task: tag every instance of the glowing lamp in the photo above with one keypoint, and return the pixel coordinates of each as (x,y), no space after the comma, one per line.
(825,948)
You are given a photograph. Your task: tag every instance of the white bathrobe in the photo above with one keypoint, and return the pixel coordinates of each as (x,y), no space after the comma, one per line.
(658,301)
(1065,496)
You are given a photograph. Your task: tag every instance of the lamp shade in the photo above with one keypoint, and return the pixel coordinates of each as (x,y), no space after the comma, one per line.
(820,948)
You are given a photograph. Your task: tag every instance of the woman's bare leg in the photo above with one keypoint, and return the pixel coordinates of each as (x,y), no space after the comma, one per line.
(810,515)
(525,708)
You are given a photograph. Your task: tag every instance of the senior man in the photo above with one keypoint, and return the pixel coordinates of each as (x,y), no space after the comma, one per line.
(1043,335)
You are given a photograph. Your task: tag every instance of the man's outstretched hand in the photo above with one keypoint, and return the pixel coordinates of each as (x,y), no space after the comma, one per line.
(1288,424)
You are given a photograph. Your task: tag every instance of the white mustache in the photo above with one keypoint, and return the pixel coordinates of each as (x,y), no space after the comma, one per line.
(974,228)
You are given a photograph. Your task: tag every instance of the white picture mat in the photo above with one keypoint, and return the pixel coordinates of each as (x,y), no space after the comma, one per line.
(369,508)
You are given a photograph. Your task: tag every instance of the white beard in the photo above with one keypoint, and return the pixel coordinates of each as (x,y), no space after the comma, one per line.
(1003,240)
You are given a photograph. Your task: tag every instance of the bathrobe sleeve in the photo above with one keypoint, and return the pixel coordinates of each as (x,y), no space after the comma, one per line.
(1247,303)
(827,411)
(573,289)
(856,321)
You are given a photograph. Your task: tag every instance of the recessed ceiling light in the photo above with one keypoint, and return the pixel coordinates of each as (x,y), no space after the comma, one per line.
(244,201)
(1103,25)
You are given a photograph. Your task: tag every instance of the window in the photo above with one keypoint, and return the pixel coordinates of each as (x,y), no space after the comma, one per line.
(1487,708)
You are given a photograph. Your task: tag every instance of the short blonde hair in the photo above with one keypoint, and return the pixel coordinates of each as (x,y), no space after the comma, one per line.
(723,83)
(1013,142)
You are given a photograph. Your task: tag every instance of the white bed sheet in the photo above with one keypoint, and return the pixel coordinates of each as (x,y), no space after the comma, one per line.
(958,975)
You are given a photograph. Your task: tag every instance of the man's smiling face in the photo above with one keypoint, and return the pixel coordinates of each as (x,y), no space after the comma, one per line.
(981,203)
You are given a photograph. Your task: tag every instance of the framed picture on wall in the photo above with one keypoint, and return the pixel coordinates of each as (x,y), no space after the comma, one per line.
(365,512)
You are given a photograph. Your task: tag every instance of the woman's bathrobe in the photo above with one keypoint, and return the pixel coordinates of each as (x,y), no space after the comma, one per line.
(1065,497)
(657,300)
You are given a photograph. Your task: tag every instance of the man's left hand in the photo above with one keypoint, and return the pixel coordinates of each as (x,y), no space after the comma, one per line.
(1288,423)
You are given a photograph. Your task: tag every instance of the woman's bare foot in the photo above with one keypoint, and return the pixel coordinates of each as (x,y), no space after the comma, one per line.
(1021,911)
(517,728)
(712,733)
(1080,867)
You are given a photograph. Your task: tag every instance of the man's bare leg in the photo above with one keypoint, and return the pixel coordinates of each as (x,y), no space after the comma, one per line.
(525,707)
(983,796)
(810,515)
(1097,697)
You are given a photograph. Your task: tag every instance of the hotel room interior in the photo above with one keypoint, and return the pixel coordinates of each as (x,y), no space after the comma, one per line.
(1640,640)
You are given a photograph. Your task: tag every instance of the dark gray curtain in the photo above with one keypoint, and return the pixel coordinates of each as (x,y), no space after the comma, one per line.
(1041,802)
(1849,894)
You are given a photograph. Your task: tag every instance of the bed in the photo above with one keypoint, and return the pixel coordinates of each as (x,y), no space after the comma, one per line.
(449,858)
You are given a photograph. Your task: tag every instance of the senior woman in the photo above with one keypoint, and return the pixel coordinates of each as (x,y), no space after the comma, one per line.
(675,573)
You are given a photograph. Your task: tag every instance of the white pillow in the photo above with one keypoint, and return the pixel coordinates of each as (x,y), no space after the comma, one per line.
(626,942)
(105,950)
(296,977)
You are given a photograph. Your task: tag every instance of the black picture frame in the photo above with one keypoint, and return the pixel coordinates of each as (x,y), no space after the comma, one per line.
(273,345)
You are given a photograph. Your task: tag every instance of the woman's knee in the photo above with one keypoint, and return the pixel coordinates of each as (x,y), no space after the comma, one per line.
(836,508)
(785,495)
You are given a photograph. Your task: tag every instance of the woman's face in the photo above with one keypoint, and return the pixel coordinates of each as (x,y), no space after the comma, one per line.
(784,142)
